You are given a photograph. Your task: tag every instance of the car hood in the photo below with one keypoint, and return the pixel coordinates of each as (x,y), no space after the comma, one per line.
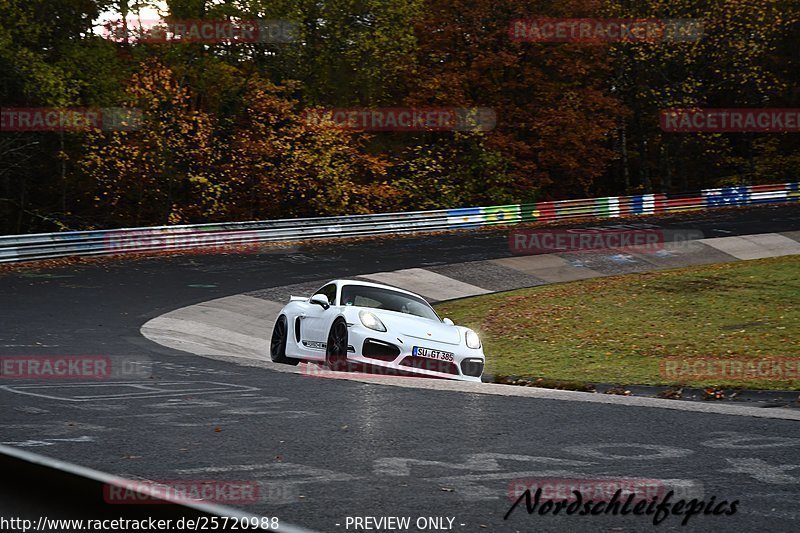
(418,327)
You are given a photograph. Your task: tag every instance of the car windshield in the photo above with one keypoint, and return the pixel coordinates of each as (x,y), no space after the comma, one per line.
(387,300)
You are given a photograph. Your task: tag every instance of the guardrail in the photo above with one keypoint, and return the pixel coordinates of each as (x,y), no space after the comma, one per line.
(45,494)
(18,248)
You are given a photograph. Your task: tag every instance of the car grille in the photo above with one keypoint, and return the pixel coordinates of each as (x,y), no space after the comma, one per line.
(423,363)
(382,351)
(472,367)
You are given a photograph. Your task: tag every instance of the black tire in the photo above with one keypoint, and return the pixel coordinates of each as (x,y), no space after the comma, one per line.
(336,348)
(277,346)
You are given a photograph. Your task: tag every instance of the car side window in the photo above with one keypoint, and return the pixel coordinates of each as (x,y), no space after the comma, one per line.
(329,291)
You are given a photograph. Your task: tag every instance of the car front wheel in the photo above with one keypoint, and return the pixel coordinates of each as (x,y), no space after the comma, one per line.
(277,346)
(336,349)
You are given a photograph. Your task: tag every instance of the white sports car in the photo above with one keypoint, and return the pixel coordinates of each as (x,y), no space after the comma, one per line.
(354,324)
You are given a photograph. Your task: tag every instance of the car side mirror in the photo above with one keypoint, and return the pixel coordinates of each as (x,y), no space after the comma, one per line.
(448,321)
(320,300)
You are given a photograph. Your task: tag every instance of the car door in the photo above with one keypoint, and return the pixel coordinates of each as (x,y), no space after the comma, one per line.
(315,321)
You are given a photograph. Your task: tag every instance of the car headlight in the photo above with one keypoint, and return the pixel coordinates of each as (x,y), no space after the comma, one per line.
(473,341)
(371,321)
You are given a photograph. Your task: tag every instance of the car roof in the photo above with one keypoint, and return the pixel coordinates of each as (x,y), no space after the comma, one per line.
(341,282)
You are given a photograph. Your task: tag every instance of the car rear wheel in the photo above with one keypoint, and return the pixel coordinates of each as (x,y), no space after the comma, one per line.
(277,346)
(336,349)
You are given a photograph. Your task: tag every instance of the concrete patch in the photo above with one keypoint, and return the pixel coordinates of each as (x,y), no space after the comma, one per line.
(236,326)
(794,235)
(429,284)
(776,244)
(488,275)
(551,268)
(755,246)
(683,254)
(608,263)
(282,294)
(240,306)
(214,339)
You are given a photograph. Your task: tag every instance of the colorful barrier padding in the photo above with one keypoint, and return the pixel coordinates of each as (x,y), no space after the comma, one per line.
(620,206)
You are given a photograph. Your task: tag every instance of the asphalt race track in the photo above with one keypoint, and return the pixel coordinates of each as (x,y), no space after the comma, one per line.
(324,450)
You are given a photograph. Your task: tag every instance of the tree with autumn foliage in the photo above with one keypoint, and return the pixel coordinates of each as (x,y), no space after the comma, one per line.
(555,112)
(49,58)
(162,171)
(742,59)
(280,164)
(224,138)
(183,166)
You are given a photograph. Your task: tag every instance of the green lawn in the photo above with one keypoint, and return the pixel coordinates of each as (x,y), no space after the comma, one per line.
(618,330)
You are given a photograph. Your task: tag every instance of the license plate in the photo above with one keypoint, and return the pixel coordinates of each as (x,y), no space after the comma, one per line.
(432,354)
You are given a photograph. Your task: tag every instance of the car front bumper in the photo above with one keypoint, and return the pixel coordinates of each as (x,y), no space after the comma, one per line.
(383,352)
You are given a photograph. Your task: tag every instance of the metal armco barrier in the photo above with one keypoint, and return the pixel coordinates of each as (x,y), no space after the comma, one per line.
(52,495)
(18,248)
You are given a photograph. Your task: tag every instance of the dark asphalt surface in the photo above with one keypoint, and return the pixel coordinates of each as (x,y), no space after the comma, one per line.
(325,450)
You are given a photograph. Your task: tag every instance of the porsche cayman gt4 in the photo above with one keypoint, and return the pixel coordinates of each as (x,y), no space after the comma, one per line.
(355,324)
